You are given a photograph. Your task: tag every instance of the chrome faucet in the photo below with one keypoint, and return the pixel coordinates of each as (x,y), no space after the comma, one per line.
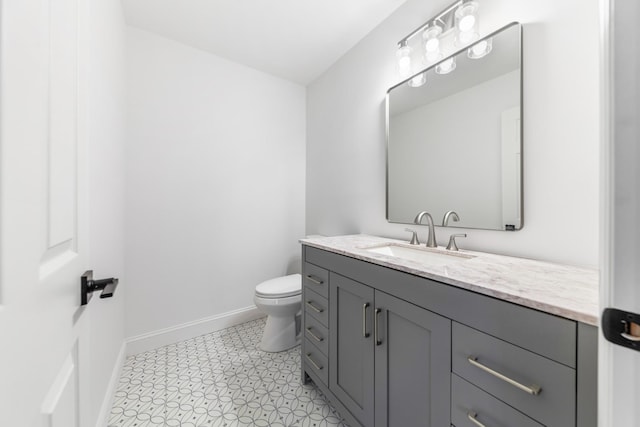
(431,239)
(450,214)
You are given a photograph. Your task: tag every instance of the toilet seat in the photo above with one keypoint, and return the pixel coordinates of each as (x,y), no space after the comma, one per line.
(280,287)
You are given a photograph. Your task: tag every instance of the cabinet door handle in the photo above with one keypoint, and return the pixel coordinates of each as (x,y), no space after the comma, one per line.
(532,389)
(472,417)
(364,320)
(315,365)
(314,336)
(376,326)
(314,308)
(314,279)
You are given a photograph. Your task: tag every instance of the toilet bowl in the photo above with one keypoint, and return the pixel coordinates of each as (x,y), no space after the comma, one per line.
(280,299)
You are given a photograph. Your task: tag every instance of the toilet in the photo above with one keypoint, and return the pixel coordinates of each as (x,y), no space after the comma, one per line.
(280,299)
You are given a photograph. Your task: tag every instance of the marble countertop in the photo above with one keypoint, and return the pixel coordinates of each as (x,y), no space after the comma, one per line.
(563,290)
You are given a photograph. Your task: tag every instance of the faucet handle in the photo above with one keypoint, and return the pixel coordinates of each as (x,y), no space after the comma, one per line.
(452,241)
(414,238)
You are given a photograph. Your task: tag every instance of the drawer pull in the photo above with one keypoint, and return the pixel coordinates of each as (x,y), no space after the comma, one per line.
(364,320)
(315,365)
(314,336)
(314,279)
(532,389)
(472,417)
(314,308)
(376,326)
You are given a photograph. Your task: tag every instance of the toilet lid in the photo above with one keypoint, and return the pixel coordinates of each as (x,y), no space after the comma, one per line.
(280,287)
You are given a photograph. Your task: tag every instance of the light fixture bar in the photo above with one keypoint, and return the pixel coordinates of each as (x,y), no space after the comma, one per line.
(446,19)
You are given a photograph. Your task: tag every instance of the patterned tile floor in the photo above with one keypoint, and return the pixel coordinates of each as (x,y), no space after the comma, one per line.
(219,379)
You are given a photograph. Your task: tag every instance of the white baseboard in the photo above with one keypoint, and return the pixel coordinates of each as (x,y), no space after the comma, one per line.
(107,402)
(185,331)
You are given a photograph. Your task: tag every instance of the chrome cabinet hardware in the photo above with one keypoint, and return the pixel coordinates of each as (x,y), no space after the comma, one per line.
(473,418)
(314,336)
(313,362)
(532,389)
(314,279)
(376,326)
(452,241)
(314,308)
(364,320)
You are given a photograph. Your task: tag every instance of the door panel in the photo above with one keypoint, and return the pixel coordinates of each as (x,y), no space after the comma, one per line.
(43,235)
(413,365)
(61,146)
(619,367)
(59,407)
(63,123)
(351,371)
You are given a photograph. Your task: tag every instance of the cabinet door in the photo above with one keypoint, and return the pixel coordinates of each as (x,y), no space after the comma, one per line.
(351,346)
(412,365)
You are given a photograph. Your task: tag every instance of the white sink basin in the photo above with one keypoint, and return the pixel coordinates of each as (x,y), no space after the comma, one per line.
(420,254)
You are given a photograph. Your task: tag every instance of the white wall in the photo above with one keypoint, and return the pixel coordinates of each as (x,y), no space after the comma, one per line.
(215,182)
(106,136)
(346,144)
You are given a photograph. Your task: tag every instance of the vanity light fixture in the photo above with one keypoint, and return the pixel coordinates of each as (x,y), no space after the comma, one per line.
(480,49)
(432,42)
(418,80)
(467,23)
(453,28)
(446,66)
(404,60)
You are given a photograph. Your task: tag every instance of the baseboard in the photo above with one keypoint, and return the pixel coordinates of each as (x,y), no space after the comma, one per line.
(107,402)
(185,331)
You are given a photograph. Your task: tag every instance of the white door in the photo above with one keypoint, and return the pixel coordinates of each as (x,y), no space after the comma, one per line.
(43,218)
(619,367)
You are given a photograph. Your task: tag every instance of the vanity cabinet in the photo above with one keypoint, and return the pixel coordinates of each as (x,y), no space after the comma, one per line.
(390,360)
(412,365)
(352,346)
(315,323)
(409,351)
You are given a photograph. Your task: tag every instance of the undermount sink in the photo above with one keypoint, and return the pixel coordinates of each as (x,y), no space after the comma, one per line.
(423,255)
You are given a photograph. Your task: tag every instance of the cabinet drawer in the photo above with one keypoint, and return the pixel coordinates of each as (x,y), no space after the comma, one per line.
(317,306)
(475,353)
(468,401)
(316,333)
(316,279)
(316,362)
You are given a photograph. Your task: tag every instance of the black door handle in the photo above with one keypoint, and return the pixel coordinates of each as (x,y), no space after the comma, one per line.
(88,286)
(621,327)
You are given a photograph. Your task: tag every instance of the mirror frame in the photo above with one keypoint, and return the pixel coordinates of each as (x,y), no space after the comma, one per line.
(521,105)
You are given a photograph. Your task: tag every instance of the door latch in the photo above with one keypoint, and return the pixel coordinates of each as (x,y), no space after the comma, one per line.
(621,327)
(88,286)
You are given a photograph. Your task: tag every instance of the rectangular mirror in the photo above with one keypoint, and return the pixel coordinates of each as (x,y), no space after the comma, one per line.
(455,143)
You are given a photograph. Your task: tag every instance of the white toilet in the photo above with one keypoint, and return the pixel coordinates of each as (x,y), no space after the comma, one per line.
(280,299)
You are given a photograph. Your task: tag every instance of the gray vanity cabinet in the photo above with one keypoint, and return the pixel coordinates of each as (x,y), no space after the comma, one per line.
(404,350)
(412,365)
(351,344)
(389,355)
